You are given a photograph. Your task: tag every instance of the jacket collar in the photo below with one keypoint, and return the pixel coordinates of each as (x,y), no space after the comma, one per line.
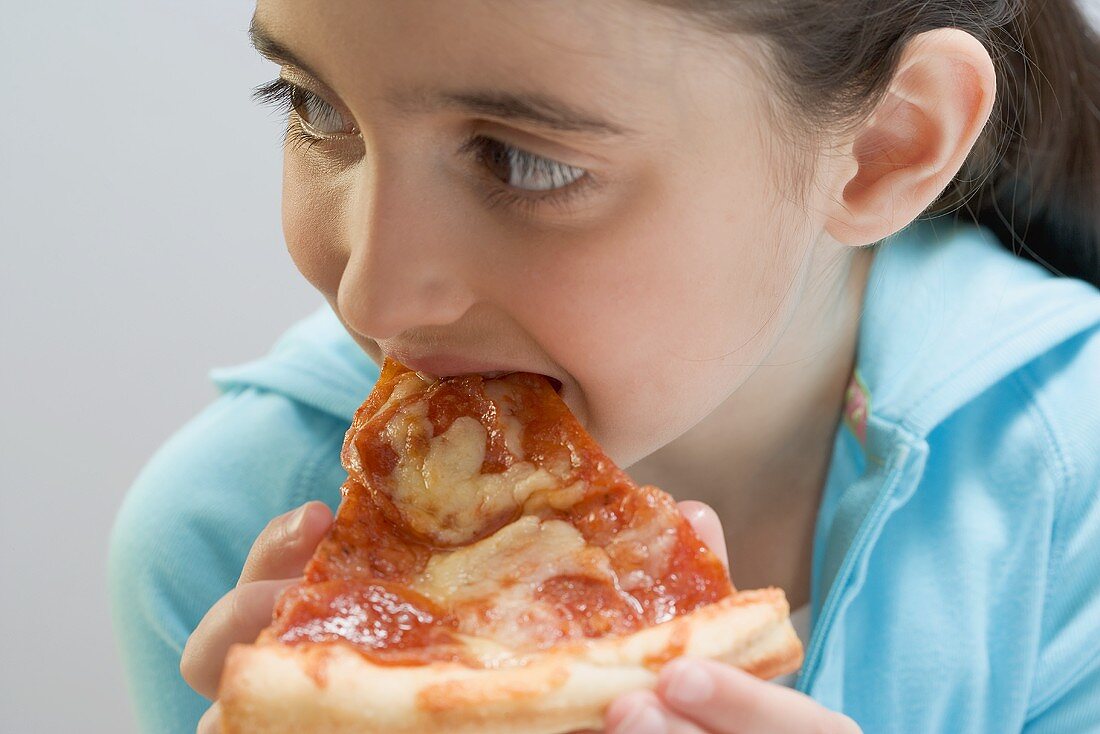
(948,312)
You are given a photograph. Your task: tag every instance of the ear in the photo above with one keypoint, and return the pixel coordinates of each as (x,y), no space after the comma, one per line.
(906,153)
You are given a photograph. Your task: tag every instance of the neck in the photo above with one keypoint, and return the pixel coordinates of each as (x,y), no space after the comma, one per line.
(761,458)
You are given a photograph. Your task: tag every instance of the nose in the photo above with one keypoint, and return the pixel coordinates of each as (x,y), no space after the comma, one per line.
(406,260)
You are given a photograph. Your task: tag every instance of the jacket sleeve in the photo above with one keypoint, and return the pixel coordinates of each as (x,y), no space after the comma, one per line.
(1066,686)
(187,523)
(1066,695)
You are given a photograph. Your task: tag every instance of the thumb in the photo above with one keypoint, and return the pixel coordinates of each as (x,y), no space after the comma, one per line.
(704,521)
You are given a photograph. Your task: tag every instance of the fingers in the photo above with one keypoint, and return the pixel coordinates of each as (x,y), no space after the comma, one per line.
(211,721)
(239,616)
(723,699)
(642,712)
(704,520)
(283,548)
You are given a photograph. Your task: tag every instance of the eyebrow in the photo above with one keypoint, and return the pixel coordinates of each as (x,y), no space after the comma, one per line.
(275,50)
(539,109)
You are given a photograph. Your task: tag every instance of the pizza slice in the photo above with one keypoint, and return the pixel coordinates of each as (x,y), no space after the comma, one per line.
(490,570)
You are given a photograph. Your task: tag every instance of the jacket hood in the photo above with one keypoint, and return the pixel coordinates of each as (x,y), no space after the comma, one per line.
(949,311)
(315,362)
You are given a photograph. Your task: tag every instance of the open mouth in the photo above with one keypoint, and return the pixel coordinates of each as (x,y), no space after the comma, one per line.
(554,382)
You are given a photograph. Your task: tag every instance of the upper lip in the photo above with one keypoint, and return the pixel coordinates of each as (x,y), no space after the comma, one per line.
(442,364)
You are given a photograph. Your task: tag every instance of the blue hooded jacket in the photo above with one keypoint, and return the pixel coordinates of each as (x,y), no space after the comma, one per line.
(956,557)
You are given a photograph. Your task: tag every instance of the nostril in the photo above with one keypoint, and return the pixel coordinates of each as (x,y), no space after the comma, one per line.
(555,383)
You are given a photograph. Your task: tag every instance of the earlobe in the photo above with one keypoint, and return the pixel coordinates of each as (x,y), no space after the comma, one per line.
(917,138)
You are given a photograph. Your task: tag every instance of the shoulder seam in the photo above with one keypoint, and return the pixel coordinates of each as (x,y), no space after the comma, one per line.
(1066,479)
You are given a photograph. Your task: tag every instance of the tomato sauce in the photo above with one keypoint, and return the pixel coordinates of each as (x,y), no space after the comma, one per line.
(588,607)
(389,623)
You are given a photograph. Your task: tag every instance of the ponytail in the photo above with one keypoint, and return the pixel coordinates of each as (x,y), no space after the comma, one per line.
(1034,178)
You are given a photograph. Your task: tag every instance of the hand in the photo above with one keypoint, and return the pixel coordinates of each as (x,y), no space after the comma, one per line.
(276,560)
(699,696)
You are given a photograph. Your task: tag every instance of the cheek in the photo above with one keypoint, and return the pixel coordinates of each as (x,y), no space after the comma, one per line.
(664,312)
(313,220)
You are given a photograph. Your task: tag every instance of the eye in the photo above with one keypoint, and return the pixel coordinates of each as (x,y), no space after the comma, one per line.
(520,179)
(317,117)
(521,169)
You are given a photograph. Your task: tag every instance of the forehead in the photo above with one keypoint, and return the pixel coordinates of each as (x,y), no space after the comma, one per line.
(610,55)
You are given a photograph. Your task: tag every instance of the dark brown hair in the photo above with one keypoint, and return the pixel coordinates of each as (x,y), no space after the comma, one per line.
(1033,177)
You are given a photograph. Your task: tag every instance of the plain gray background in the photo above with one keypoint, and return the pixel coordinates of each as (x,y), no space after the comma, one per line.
(139,204)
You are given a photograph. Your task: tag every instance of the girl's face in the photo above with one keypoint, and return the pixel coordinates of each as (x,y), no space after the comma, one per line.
(586,190)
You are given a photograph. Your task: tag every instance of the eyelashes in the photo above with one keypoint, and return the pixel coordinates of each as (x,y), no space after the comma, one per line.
(499,163)
(287,98)
(491,155)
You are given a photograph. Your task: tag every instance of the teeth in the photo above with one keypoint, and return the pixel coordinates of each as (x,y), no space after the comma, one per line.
(554,382)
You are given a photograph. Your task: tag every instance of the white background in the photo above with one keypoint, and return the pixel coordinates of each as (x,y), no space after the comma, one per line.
(139,228)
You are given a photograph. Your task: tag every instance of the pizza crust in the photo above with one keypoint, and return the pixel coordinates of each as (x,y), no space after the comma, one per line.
(272,688)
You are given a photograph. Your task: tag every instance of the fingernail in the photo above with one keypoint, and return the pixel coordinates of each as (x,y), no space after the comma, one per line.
(645,720)
(297,520)
(697,512)
(688,684)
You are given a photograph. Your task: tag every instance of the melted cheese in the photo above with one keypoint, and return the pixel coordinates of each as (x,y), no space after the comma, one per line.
(442,493)
(500,392)
(526,552)
(644,550)
(491,584)
(404,385)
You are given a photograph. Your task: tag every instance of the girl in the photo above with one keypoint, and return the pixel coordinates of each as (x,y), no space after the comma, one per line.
(725,226)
